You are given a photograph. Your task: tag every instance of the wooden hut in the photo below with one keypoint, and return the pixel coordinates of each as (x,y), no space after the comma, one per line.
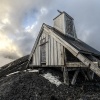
(58,46)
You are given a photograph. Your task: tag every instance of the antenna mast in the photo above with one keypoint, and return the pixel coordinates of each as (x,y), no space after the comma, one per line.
(59,11)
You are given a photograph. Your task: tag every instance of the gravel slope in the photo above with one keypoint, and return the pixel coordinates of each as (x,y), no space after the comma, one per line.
(32,86)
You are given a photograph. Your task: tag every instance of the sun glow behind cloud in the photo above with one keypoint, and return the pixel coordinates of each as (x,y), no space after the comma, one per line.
(7,46)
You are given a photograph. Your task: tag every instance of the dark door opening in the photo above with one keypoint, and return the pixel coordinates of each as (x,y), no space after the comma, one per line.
(43,54)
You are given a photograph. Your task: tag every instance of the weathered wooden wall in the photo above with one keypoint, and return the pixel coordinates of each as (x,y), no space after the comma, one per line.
(54,51)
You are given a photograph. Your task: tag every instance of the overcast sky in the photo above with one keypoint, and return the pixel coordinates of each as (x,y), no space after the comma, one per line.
(20,22)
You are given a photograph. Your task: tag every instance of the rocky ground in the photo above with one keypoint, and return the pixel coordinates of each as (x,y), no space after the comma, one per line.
(43,84)
(31,85)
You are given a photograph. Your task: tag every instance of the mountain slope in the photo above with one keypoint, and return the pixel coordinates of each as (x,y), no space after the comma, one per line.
(17,65)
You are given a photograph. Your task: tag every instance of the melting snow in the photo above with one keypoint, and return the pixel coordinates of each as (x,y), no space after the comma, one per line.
(52,79)
(48,76)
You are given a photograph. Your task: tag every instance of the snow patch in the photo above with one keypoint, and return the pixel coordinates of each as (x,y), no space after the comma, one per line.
(34,71)
(13,73)
(52,79)
(29,70)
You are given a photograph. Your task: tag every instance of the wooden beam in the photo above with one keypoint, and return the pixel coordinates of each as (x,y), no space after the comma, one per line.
(92,65)
(90,74)
(75,64)
(68,64)
(66,76)
(74,77)
(85,75)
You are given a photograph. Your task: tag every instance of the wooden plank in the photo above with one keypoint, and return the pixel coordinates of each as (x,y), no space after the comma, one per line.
(52,56)
(49,50)
(55,52)
(71,64)
(46,66)
(83,59)
(34,59)
(59,66)
(39,53)
(47,53)
(36,56)
(75,64)
(46,36)
(42,36)
(65,56)
(62,54)
(74,77)
(59,54)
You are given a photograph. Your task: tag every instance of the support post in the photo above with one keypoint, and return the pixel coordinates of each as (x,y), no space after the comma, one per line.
(85,75)
(74,77)
(65,76)
(90,74)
